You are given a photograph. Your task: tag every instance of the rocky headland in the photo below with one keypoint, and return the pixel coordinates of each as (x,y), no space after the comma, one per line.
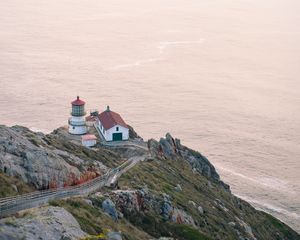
(173,193)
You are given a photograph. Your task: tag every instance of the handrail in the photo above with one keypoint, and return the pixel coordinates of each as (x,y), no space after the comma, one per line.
(3,200)
(9,205)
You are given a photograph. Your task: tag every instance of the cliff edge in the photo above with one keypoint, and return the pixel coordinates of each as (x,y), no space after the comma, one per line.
(173,193)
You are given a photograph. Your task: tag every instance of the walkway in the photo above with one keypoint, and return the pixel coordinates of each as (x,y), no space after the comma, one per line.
(11,205)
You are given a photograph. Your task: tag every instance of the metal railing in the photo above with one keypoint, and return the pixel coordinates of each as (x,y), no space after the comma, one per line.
(11,205)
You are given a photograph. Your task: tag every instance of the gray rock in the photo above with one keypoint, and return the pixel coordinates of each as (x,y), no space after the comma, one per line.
(133,134)
(231,224)
(220,205)
(178,188)
(33,164)
(169,147)
(154,147)
(110,208)
(114,236)
(88,201)
(14,187)
(179,216)
(166,197)
(200,209)
(192,203)
(50,223)
(166,210)
(247,228)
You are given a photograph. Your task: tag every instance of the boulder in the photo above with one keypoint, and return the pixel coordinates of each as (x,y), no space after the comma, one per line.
(181,217)
(200,209)
(178,188)
(114,236)
(110,208)
(35,165)
(88,201)
(133,134)
(192,203)
(169,147)
(232,224)
(49,223)
(128,201)
(166,210)
(34,159)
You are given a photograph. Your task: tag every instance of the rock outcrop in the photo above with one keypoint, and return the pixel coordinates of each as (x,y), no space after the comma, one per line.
(109,207)
(137,202)
(169,147)
(49,223)
(175,193)
(133,134)
(37,159)
(22,158)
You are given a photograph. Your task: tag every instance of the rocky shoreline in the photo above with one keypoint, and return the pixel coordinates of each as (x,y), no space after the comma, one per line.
(176,193)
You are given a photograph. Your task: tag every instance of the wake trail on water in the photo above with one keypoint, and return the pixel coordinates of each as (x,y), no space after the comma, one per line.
(162,47)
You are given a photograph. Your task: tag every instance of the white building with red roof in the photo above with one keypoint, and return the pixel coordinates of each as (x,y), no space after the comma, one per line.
(89,140)
(77,124)
(112,126)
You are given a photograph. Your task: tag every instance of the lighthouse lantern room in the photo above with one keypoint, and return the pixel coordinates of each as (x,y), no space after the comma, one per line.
(77,124)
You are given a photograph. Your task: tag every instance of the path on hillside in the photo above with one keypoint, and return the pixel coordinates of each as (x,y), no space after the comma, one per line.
(134,160)
(11,205)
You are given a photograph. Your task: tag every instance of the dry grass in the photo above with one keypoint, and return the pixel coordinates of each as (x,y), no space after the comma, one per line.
(7,183)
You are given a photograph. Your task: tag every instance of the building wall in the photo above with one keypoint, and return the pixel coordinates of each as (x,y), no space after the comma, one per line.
(90,123)
(88,143)
(108,134)
(77,125)
(77,130)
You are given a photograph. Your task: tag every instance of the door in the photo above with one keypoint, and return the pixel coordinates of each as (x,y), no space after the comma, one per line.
(117,136)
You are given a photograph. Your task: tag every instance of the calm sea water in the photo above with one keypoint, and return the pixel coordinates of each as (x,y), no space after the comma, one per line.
(223,76)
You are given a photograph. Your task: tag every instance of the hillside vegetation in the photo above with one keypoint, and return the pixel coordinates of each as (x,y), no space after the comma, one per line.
(175,192)
(12,186)
(224,216)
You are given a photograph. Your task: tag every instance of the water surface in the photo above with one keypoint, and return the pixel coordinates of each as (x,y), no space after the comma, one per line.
(223,76)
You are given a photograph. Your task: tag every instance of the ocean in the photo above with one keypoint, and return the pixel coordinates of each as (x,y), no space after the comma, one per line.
(223,76)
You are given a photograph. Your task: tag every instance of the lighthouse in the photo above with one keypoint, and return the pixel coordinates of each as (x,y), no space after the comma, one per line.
(77,124)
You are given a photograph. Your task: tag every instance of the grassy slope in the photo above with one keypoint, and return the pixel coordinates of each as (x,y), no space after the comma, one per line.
(93,221)
(162,176)
(7,189)
(60,139)
(107,157)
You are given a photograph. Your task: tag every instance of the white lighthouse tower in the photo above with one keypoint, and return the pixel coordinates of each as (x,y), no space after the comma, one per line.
(77,124)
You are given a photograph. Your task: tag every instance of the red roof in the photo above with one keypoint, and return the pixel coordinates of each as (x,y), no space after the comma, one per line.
(78,102)
(88,137)
(90,118)
(110,119)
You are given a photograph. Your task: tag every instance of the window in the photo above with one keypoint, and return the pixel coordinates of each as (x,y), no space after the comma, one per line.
(77,110)
(117,129)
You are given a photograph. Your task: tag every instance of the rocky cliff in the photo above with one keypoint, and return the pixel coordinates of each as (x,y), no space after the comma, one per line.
(44,223)
(175,193)
(52,160)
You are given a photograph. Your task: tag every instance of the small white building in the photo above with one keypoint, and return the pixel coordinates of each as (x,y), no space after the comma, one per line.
(112,126)
(77,124)
(89,140)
